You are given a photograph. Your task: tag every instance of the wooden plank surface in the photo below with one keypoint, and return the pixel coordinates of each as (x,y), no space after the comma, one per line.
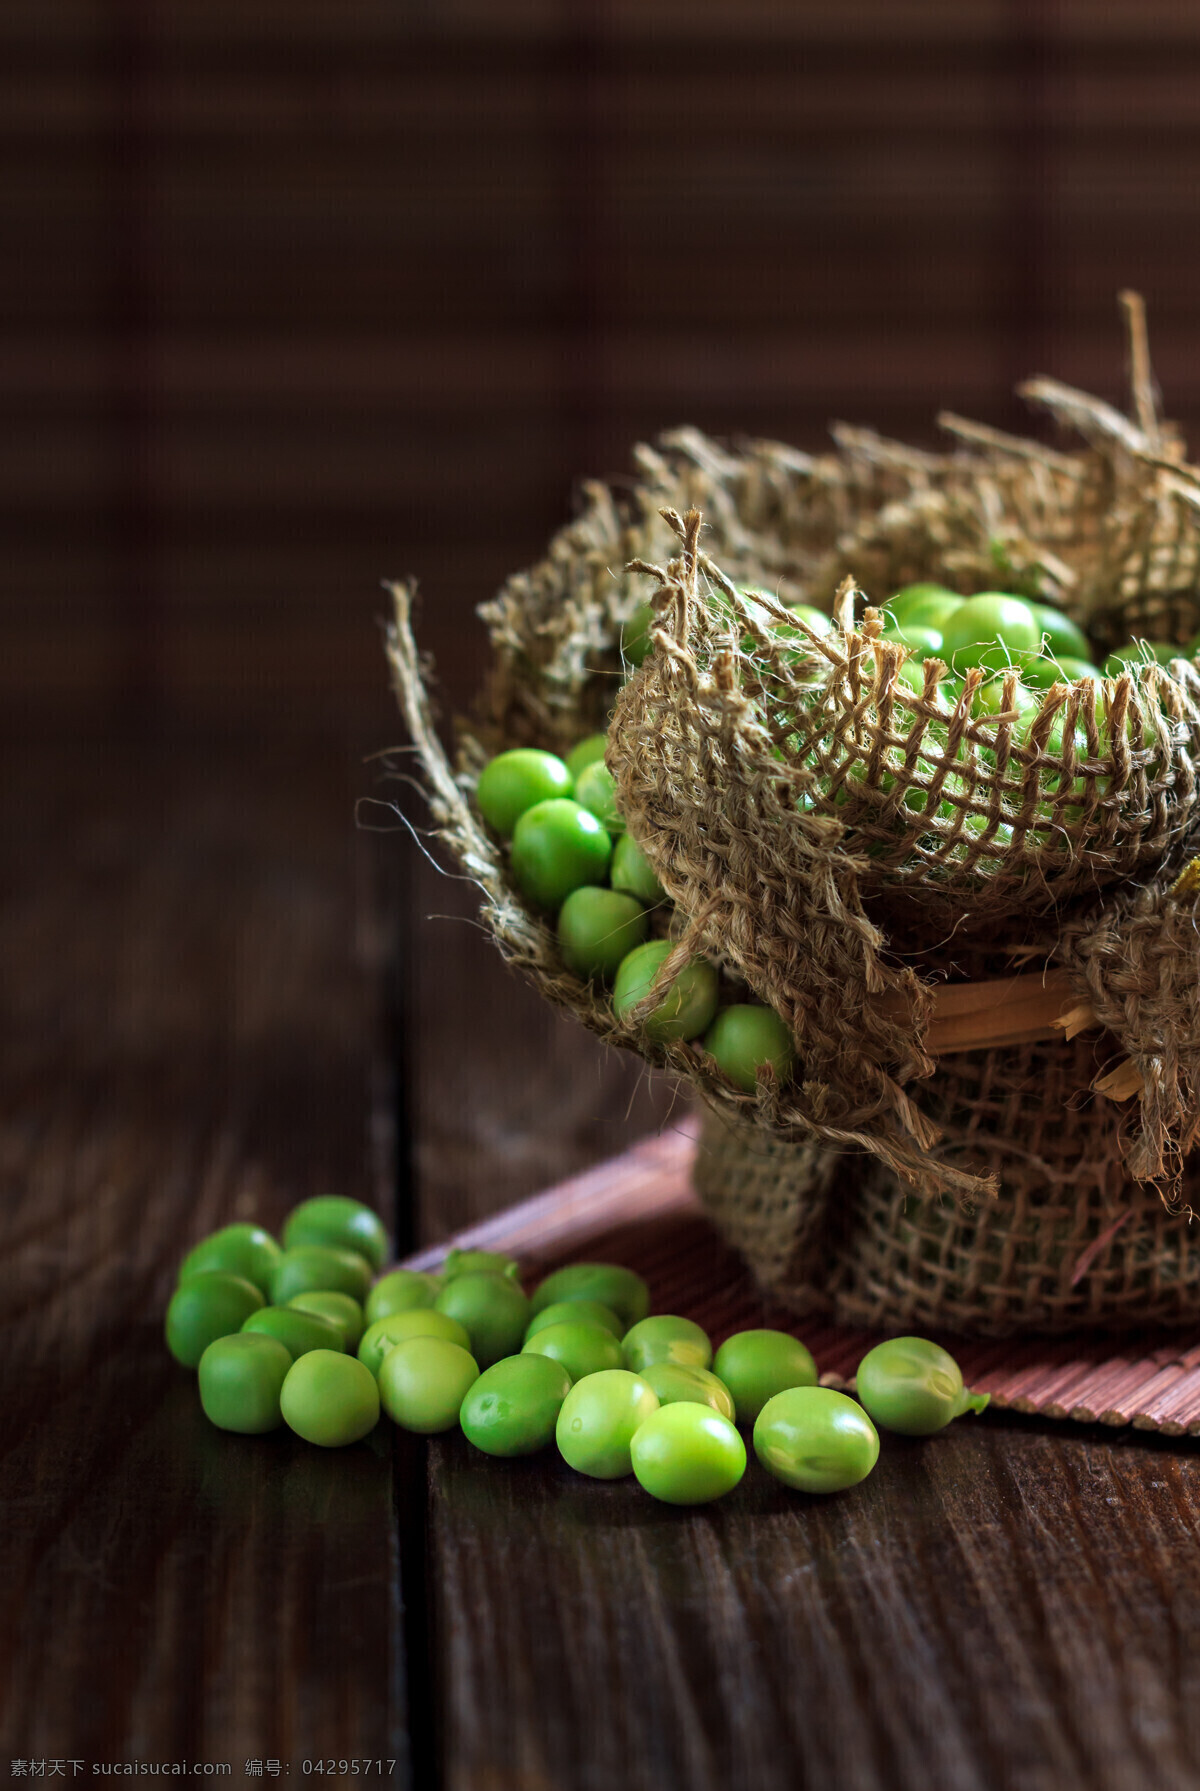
(190,1037)
(1010,1604)
(192,971)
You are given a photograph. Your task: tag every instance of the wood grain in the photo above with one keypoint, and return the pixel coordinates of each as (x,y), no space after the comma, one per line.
(190,1037)
(1004,1605)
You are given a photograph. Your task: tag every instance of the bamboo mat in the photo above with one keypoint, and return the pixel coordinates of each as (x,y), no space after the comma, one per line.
(639,1209)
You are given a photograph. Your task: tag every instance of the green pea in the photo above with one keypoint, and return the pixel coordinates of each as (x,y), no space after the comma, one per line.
(557,847)
(685,1454)
(1043,671)
(315,1268)
(614,1286)
(913,1386)
(666,1338)
(912,675)
(339,1308)
(687,1006)
(575,1312)
(590,751)
(514,782)
(1136,653)
(493,1310)
(596,789)
(478,1262)
(582,1349)
(240,1380)
(744,1038)
(401,1290)
(989,700)
(243,1250)
(513,1407)
(992,630)
(297,1331)
(693,1386)
(922,641)
(329,1398)
(1059,634)
(599,1418)
(755,1365)
(635,635)
(923,604)
(815,1439)
(341,1224)
(398,1327)
(632,872)
(597,928)
(206,1306)
(422,1383)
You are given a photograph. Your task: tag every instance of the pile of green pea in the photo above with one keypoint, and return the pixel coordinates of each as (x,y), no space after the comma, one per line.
(569,855)
(998,632)
(310,1334)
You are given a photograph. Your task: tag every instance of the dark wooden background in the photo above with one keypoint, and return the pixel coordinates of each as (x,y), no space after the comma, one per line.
(299,296)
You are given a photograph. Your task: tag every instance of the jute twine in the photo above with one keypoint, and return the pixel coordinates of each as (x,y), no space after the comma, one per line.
(829,836)
(1070,1240)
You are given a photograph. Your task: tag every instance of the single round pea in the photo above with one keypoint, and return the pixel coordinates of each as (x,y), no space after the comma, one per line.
(913,1386)
(589,751)
(922,641)
(493,1310)
(557,847)
(398,1327)
(339,1308)
(206,1306)
(687,1006)
(478,1262)
(991,630)
(693,1386)
(815,1439)
(596,789)
(755,1365)
(600,1417)
(616,1287)
(924,604)
(401,1290)
(1059,634)
(297,1331)
(635,635)
(989,699)
(575,1312)
(240,1379)
(632,872)
(514,1405)
(315,1268)
(243,1250)
(582,1349)
(666,1338)
(422,1383)
(329,1398)
(597,928)
(514,782)
(685,1454)
(745,1037)
(341,1224)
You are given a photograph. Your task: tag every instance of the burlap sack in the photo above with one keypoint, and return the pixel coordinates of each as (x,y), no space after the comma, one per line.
(824,907)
